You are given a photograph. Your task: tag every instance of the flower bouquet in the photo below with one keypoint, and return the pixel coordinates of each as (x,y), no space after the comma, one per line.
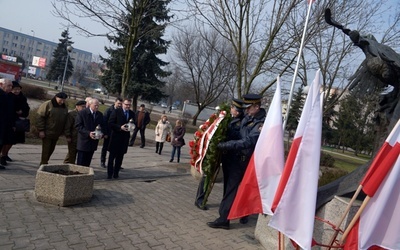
(205,156)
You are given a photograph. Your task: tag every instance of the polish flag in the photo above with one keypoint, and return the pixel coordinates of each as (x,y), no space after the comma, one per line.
(261,179)
(295,199)
(379,223)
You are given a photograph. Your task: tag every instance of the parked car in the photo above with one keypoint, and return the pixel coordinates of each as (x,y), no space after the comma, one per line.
(163,105)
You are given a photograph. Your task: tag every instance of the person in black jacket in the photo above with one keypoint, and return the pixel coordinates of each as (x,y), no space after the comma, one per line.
(141,120)
(119,137)
(237,113)
(4,109)
(107,113)
(240,148)
(87,121)
(9,119)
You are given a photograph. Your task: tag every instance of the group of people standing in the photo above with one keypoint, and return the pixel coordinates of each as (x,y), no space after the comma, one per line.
(13,107)
(83,127)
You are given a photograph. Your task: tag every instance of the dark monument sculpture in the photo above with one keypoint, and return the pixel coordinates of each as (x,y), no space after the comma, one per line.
(379,70)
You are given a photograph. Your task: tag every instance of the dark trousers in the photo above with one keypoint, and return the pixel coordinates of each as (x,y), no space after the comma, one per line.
(178,152)
(114,164)
(104,149)
(159,147)
(48,146)
(233,175)
(84,158)
(71,155)
(200,191)
(142,137)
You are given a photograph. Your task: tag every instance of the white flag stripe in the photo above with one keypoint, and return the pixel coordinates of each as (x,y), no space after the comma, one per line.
(269,152)
(380,221)
(294,215)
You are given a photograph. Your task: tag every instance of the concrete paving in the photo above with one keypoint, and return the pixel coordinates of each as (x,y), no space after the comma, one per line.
(151,206)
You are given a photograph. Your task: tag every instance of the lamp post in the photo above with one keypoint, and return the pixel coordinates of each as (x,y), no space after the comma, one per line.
(69,50)
(32,38)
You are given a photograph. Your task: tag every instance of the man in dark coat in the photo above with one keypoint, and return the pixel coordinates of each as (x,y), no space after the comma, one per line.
(9,119)
(3,114)
(87,122)
(141,121)
(117,104)
(242,147)
(119,138)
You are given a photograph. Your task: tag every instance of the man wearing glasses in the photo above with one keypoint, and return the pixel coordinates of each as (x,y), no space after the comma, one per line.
(119,137)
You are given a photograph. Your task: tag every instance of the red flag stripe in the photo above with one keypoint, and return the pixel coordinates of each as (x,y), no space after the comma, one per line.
(286,171)
(372,184)
(249,201)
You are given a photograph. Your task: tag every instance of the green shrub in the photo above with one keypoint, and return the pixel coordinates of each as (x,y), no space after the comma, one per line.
(327,160)
(329,175)
(34,92)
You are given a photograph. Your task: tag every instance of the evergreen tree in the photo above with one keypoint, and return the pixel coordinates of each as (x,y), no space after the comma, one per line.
(328,117)
(145,68)
(295,111)
(60,54)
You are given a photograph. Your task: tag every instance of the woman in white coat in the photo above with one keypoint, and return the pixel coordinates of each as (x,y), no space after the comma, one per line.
(162,129)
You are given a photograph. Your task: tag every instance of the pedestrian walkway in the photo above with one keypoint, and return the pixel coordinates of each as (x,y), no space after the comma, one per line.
(151,206)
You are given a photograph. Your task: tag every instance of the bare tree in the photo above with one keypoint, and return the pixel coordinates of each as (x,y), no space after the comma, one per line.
(255,30)
(205,63)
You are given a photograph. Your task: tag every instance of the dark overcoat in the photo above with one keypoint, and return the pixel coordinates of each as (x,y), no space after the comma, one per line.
(119,139)
(85,123)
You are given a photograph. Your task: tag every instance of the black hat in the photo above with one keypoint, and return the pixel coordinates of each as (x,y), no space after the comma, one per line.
(237,103)
(80,103)
(62,95)
(15,84)
(251,99)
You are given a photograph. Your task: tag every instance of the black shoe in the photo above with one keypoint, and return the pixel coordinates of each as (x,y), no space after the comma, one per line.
(116,176)
(2,167)
(171,160)
(8,158)
(218,224)
(177,160)
(130,145)
(156,152)
(3,161)
(200,207)
(159,153)
(142,146)
(121,168)
(244,220)
(103,165)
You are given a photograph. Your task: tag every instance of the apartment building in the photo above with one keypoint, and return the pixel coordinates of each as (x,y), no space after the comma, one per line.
(28,46)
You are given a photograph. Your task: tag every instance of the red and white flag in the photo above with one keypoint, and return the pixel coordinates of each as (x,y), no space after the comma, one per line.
(295,199)
(379,223)
(257,189)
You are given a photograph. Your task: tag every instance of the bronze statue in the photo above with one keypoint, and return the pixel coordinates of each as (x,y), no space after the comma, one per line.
(379,71)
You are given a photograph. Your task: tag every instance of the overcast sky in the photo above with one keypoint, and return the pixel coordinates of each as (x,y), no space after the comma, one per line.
(26,15)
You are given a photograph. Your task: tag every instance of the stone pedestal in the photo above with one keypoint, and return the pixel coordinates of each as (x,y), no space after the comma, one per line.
(332,212)
(64,190)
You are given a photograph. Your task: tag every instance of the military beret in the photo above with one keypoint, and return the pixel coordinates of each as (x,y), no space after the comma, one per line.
(80,103)
(237,103)
(251,99)
(62,95)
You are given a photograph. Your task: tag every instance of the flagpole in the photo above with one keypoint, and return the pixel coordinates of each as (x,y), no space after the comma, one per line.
(297,66)
(339,223)
(354,220)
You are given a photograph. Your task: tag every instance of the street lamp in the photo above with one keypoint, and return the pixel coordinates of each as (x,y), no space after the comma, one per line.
(69,50)
(33,37)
